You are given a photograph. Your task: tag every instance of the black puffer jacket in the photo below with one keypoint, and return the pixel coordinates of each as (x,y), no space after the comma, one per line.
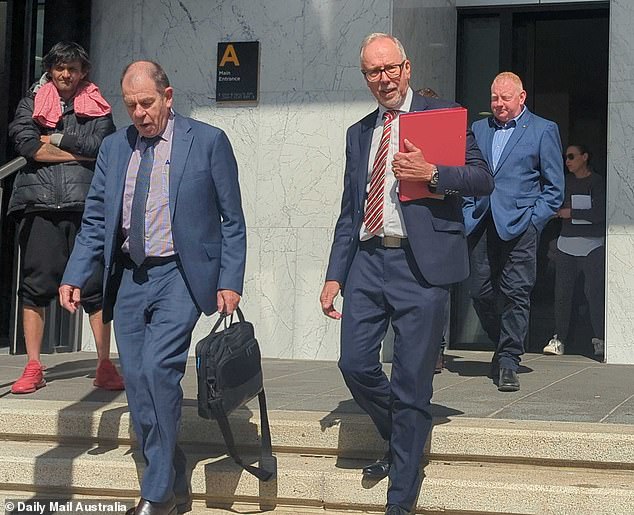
(54,186)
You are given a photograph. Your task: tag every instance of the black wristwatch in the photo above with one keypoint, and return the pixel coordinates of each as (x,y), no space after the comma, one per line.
(433,182)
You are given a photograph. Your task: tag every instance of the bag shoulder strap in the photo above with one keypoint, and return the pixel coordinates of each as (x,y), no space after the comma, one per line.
(268,462)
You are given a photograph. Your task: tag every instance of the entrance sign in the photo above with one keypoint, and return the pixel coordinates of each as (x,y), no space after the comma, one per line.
(237,71)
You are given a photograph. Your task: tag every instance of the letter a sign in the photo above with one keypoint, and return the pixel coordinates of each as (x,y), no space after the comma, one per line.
(237,71)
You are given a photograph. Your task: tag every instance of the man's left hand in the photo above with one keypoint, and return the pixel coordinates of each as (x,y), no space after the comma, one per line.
(411,165)
(228,301)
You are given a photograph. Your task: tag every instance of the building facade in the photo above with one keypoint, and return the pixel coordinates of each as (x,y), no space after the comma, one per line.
(290,144)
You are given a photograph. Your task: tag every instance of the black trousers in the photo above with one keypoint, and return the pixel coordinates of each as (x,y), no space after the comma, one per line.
(503,274)
(46,240)
(567,270)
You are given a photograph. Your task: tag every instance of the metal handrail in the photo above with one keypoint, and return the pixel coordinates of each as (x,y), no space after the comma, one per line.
(11,167)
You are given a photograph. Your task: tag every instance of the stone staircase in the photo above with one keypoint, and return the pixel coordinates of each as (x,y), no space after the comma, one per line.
(53,449)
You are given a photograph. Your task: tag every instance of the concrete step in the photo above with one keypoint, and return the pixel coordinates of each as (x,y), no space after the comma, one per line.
(323,481)
(343,435)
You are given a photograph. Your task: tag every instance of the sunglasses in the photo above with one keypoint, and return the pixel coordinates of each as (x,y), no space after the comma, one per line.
(570,157)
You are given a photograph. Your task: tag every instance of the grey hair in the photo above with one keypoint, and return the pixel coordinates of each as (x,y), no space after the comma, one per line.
(381,35)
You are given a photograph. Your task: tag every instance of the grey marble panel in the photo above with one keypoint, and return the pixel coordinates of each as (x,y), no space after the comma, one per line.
(113,41)
(620,185)
(269,292)
(316,336)
(357,104)
(620,299)
(333,34)
(428,33)
(621,74)
(301,159)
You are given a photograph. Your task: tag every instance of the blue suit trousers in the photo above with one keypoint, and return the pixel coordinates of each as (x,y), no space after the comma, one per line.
(154,316)
(386,285)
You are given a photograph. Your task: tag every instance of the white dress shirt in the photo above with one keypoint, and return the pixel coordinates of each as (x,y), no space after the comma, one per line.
(392,216)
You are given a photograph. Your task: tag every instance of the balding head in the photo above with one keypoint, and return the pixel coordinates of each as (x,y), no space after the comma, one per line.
(151,69)
(147,96)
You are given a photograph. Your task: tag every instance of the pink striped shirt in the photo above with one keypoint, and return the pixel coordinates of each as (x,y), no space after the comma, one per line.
(158,225)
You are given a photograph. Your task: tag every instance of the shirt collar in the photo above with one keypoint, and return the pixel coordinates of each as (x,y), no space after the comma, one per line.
(405,106)
(511,123)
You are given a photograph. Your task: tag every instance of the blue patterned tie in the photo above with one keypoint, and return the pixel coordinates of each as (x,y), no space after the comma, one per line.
(136,235)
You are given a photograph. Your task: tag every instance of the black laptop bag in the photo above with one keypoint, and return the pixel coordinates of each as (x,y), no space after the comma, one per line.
(229,370)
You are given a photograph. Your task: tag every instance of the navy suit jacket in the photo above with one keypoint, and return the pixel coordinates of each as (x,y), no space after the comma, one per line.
(208,225)
(435,228)
(529,178)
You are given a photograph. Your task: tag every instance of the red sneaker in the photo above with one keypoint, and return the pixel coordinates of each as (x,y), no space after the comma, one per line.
(31,379)
(107,377)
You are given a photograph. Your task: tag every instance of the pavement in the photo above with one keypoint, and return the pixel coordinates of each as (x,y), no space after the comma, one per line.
(553,388)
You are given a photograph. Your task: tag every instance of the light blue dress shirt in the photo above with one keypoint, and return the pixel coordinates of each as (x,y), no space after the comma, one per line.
(501,136)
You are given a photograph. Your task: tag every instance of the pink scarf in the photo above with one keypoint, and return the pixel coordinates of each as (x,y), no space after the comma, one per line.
(88,102)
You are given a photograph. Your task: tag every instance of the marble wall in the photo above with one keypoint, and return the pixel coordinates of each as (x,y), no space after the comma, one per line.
(428,30)
(620,186)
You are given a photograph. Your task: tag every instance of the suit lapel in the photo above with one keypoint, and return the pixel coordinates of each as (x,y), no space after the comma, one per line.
(487,149)
(419,103)
(519,131)
(365,141)
(181,143)
(121,169)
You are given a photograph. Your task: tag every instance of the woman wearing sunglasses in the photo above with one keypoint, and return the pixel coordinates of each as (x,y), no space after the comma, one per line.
(580,249)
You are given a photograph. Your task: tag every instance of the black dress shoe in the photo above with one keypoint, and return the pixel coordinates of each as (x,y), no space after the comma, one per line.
(395,509)
(379,469)
(508,382)
(154,508)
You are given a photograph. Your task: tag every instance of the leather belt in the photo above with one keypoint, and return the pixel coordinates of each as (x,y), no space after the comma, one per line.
(387,242)
(149,262)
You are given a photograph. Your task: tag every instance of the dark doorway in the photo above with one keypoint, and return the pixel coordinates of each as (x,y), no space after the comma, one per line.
(561,54)
(28,28)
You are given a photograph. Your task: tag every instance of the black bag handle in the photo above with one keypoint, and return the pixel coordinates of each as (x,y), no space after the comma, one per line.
(223,317)
(268,463)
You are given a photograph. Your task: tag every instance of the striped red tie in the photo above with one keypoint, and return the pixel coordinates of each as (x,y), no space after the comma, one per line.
(373,218)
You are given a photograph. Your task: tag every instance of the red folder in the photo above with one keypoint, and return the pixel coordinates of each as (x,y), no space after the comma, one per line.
(442,136)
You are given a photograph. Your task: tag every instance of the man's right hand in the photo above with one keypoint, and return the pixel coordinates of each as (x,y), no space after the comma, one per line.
(328,293)
(69,297)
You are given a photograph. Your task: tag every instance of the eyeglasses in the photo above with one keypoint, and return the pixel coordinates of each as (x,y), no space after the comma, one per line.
(393,71)
(570,157)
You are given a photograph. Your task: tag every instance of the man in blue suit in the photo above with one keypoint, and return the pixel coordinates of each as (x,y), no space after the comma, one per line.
(524,153)
(395,261)
(164,214)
